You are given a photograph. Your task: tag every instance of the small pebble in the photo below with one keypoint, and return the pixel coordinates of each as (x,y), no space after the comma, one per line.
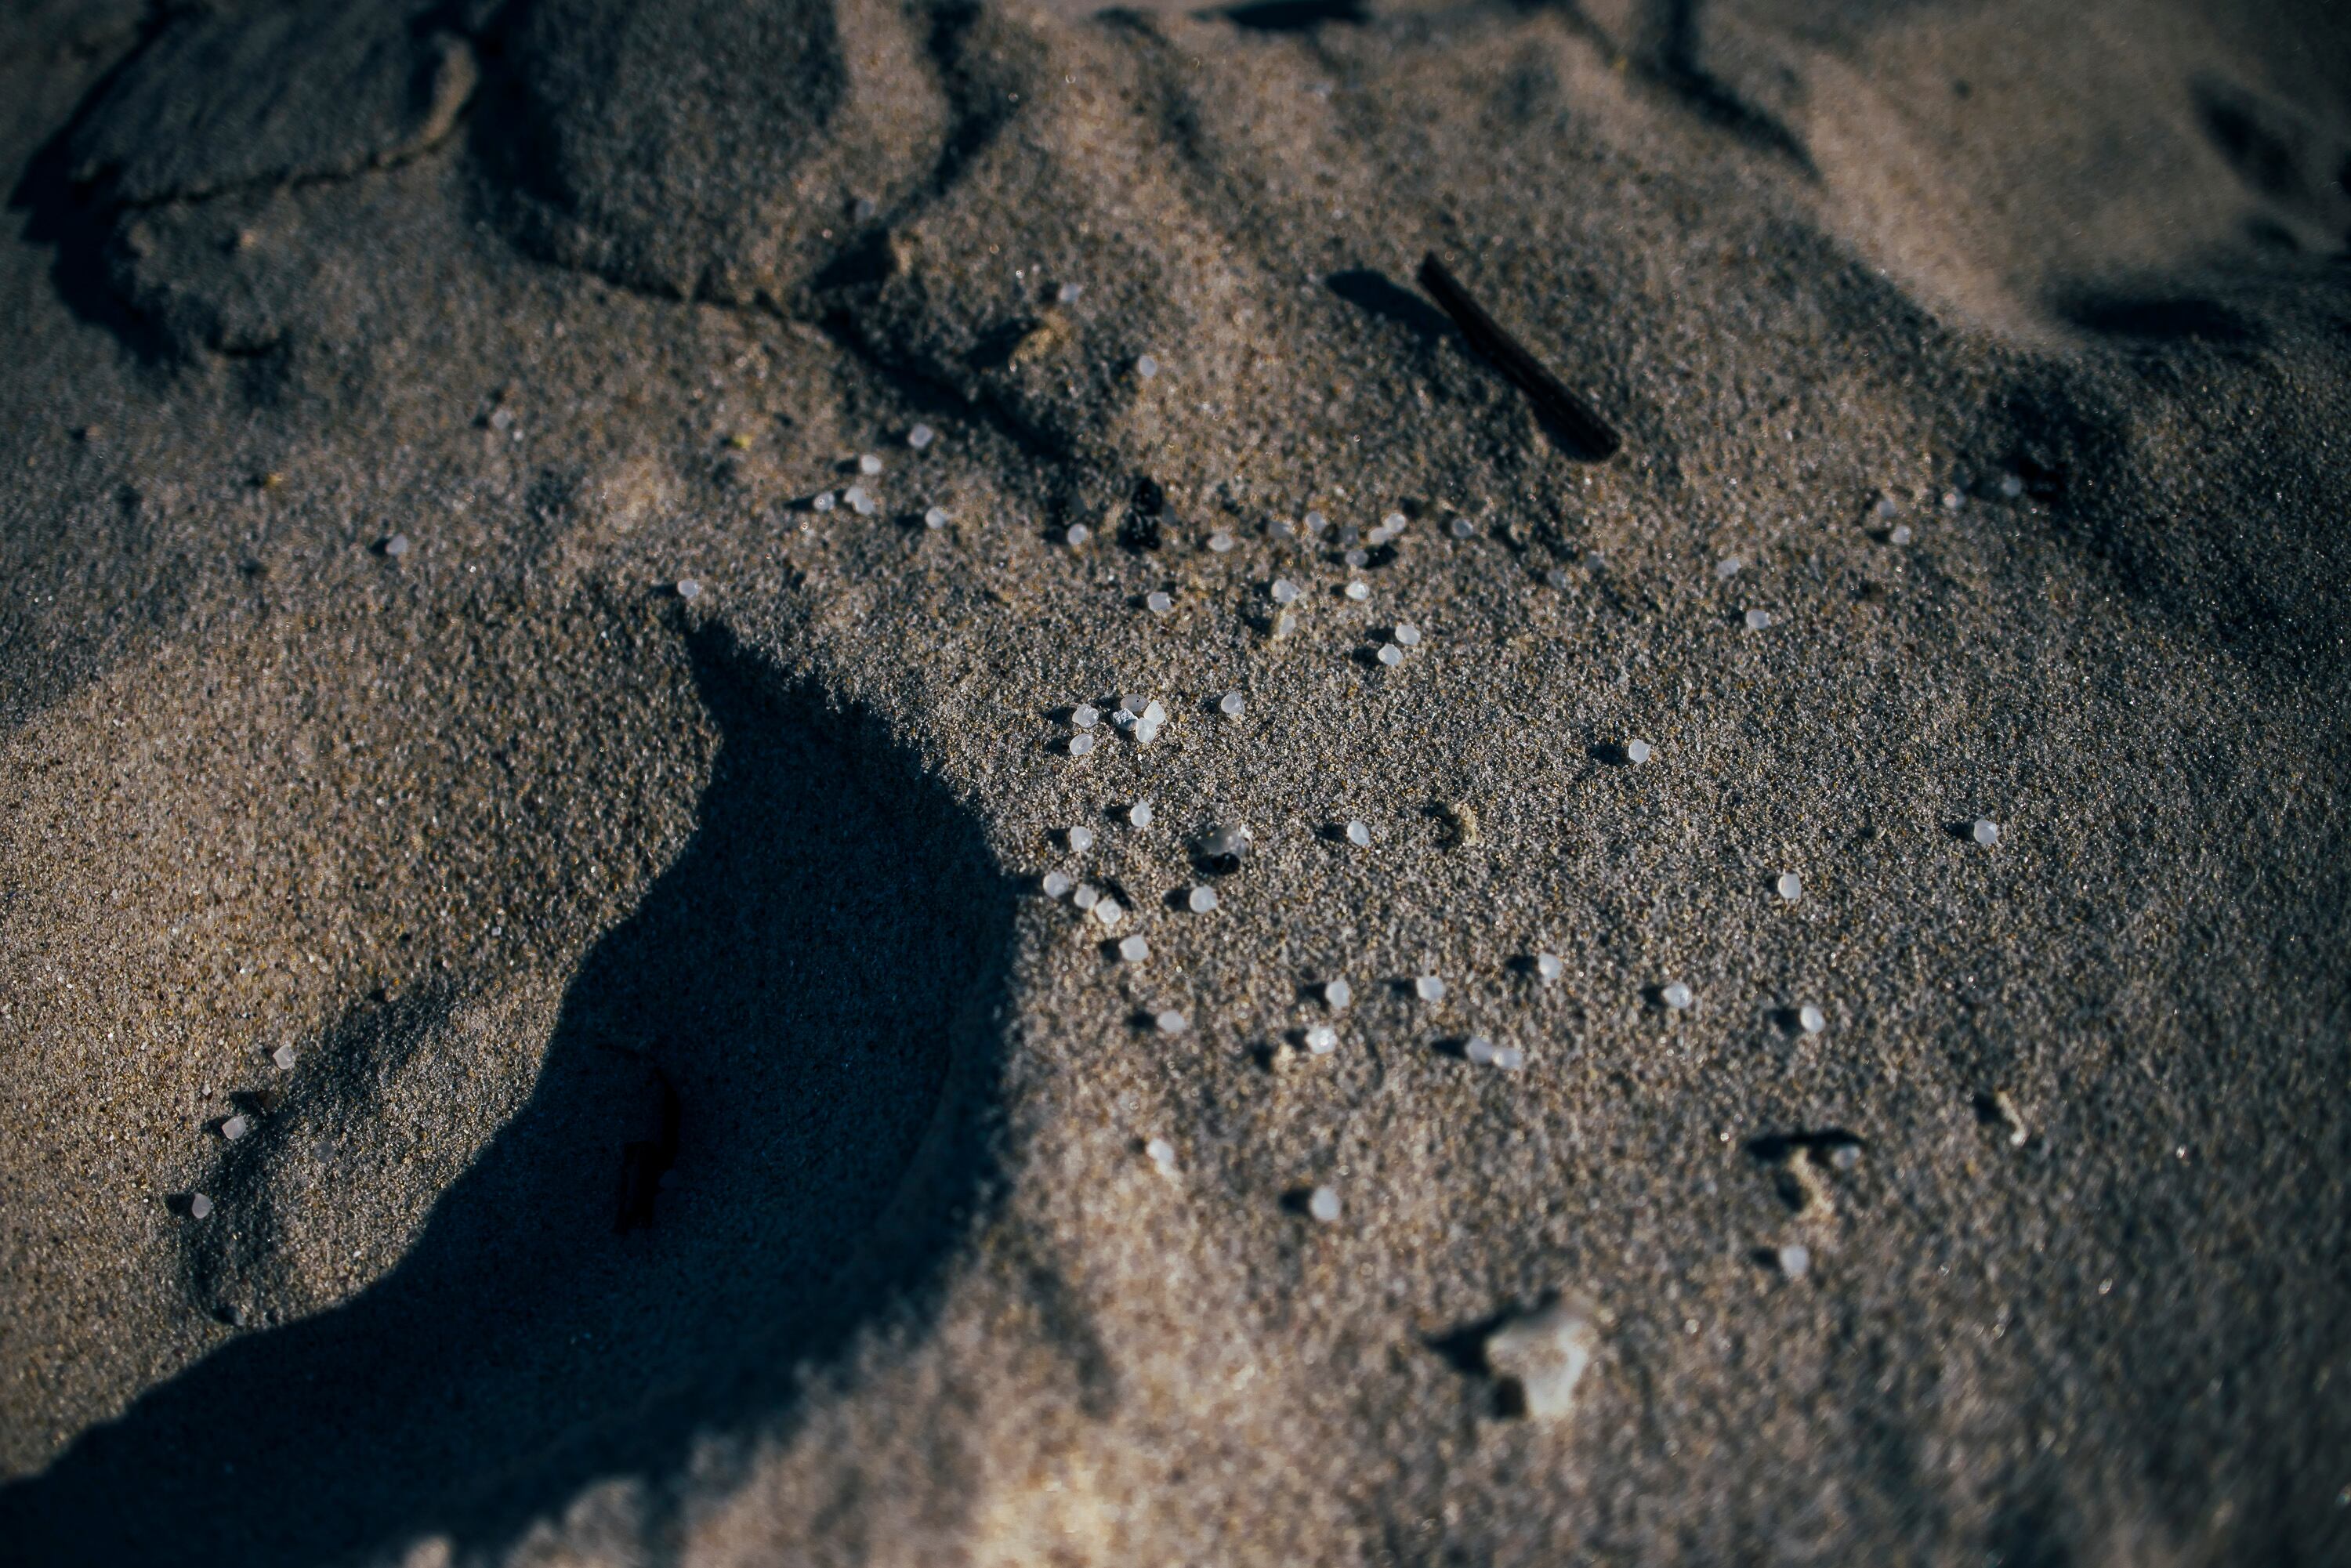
(1078,534)
(1132,949)
(199,1207)
(1359,590)
(1158,602)
(822,501)
(1202,900)
(1284,590)
(1758,620)
(1407,633)
(1986,832)
(1162,1154)
(687,588)
(1540,1356)
(1811,1019)
(1081,838)
(1231,705)
(1391,655)
(1677,996)
(1085,715)
(1081,744)
(235,1127)
(936,518)
(1086,896)
(1322,1040)
(1461,527)
(1324,1205)
(922,435)
(1221,542)
(1337,994)
(1429,988)
(1636,751)
(1056,884)
(1728,566)
(1795,1261)
(396,546)
(1140,814)
(869,465)
(1791,886)
(1170,1021)
(1107,910)
(1548,967)
(1901,533)
(284,1057)
(1146,367)
(1358,834)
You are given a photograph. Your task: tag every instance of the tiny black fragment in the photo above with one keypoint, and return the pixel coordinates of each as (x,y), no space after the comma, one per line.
(1568,416)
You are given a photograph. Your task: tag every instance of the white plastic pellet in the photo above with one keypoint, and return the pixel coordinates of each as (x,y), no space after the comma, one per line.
(1107,910)
(1086,896)
(1758,620)
(1055,884)
(1393,524)
(1324,1205)
(1479,1051)
(1677,996)
(822,501)
(869,465)
(1225,840)
(1548,967)
(1140,813)
(936,518)
(1901,533)
(235,1127)
(1811,1018)
(922,435)
(1391,655)
(199,1207)
(396,546)
(1359,590)
(1462,528)
(1081,743)
(1729,567)
(1132,949)
(1085,715)
(1081,838)
(284,1057)
(1221,542)
(1636,751)
(1407,633)
(1284,590)
(1985,833)
(1201,900)
(1791,886)
(1358,834)
(1162,1154)
(1337,994)
(1158,602)
(1231,705)
(1795,1261)
(1077,533)
(1146,367)
(688,589)
(859,501)
(1322,1040)
(1171,1022)
(1429,988)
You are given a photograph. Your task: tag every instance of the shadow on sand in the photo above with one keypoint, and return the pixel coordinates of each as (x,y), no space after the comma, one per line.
(816,974)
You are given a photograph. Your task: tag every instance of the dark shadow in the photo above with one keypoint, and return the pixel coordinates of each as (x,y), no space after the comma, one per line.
(813,979)
(1678,69)
(1371,291)
(1294,16)
(2177,320)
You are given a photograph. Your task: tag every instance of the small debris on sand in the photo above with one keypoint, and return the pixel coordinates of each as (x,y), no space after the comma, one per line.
(1540,1358)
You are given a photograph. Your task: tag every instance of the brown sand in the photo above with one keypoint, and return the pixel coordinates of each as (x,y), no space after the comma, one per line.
(499,831)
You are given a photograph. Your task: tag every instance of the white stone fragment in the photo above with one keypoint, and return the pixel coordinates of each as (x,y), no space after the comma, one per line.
(1359,833)
(688,589)
(1548,967)
(1107,910)
(1759,619)
(869,465)
(1081,743)
(1231,704)
(1201,900)
(236,1127)
(1359,590)
(1791,886)
(922,435)
(1132,949)
(1811,1019)
(1171,1022)
(1056,884)
(1407,633)
(1081,838)
(1322,1040)
(1677,996)
(1146,367)
(199,1207)
(1795,1261)
(1429,988)
(1637,751)
(1140,813)
(936,518)
(1077,533)
(1337,994)
(1391,655)
(1324,1205)
(284,1057)
(1539,1357)
(1986,832)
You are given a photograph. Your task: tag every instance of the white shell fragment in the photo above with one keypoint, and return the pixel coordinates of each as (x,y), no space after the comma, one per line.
(1540,1358)
(1324,1205)
(1637,751)
(1322,1040)
(1201,900)
(1081,838)
(1429,988)
(284,1057)
(1677,996)
(1132,949)
(1231,704)
(1359,833)
(1791,886)
(1811,1019)
(1986,832)
(1170,1021)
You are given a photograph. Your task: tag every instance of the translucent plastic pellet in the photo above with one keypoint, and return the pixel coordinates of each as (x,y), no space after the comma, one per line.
(1811,1019)
(1055,884)
(1086,896)
(936,518)
(1146,367)
(1337,994)
(1132,949)
(1795,1261)
(1324,1205)
(869,465)
(1901,533)
(236,1127)
(1636,751)
(922,435)
(1162,1154)
(1677,996)
(1360,834)
(1407,633)
(1986,832)
(1108,910)
(1077,533)
(687,588)
(1085,715)
(1201,900)
(1140,814)
(1548,967)
(1171,1022)
(1390,654)
(1461,527)
(1729,567)
(1322,1040)
(1231,705)
(1510,1057)
(1791,886)
(1759,619)
(1429,988)
(1081,838)
(1315,522)
(1359,590)
(1081,743)
(1158,602)
(396,546)
(1284,590)
(1479,1051)
(199,1207)
(1222,543)
(284,1057)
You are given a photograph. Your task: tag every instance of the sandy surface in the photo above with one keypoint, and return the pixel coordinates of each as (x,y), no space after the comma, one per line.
(375,373)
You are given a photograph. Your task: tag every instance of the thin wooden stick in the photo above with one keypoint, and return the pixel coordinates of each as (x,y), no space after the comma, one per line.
(1568,414)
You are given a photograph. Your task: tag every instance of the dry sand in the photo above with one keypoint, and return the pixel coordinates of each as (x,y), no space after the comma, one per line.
(375,372)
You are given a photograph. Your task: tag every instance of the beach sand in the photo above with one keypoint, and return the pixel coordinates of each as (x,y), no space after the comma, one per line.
(539,1016)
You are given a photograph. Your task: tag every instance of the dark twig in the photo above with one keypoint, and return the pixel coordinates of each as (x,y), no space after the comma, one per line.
(1568,416)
